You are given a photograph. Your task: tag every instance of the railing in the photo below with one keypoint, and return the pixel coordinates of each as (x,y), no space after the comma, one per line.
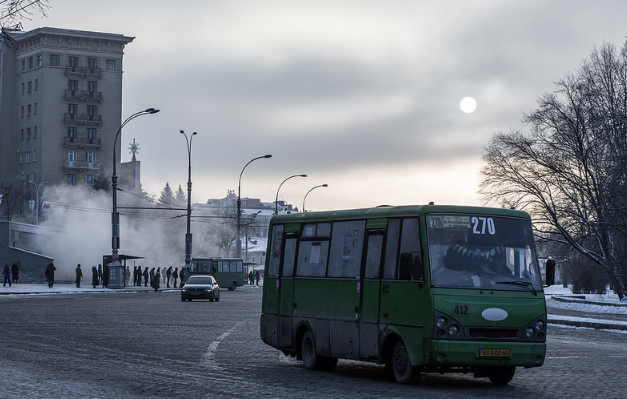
(83,95)
(82,165)
(82,119)
(82,142)
(93,73)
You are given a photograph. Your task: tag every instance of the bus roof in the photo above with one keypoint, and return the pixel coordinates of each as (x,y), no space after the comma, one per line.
(395,211)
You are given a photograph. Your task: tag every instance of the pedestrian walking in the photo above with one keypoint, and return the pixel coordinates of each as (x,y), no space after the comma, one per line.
(134,276)
(15,272)
(6,273)
(146,275)
(151,273)
(168,275)
(100,274)
(257,277)
(175,276)
(79,276)
(94,276)
(157,279)
(50,274)
(250,277)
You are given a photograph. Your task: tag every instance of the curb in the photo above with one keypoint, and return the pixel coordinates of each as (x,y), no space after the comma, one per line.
(587,323)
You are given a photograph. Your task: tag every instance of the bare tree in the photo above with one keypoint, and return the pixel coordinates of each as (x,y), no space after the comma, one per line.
(570,171)
(12,11)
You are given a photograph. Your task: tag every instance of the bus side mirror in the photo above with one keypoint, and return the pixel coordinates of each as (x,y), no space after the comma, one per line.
(411,267)
(550,272)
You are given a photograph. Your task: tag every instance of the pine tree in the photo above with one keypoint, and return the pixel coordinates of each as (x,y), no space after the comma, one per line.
(167,197)
(180,196)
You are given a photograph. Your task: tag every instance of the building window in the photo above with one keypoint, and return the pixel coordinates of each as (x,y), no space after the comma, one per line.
(29,86)
(70,179)
(71,132)
(31,62)
(28,133)
(111,65)
(54,60)
(91,157)
(28,109)
(92,110)
(92,87)
(34,132)
(72,85)
(21,134)
(72,109)
(71,156)
(91,133)
(36,84)
(28,157)
(23,90)
(23,65)
(35,109)
(90,180)
(38,60)
(72,61)
(92,63)
(34,156)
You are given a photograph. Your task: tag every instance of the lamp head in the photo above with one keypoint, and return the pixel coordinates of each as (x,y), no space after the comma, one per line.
(267,156)
(182,131)
(195,133)
(325,185)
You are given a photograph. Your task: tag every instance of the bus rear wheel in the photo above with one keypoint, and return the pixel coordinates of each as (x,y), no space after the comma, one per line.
(311,360)
(501,375)
(401,367)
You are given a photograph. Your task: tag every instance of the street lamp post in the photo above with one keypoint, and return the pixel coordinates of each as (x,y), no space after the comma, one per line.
(276,200)
(238,245)
(188,235)
(116,272)
(313,188)
(37,186)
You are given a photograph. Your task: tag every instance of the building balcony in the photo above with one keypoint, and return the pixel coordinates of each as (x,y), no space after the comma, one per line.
(82,72)
(82,142)
(82,95)
(82,119)
(81,165)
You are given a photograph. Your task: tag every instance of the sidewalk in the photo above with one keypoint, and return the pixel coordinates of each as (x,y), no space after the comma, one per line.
(65,288)
(568,309)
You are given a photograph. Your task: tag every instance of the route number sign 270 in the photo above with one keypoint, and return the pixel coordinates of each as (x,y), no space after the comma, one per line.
(482,225)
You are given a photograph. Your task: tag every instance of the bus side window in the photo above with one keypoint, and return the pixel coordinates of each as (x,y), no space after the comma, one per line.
(391,248)
(410,267)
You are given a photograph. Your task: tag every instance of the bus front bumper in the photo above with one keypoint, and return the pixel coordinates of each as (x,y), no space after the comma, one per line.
(445,353)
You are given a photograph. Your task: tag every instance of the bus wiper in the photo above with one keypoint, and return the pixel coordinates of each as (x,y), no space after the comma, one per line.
(518,282)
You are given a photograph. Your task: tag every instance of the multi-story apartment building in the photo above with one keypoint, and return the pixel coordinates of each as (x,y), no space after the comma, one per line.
(60,104)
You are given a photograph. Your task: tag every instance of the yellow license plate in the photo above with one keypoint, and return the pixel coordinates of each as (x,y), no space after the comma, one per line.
(494,353)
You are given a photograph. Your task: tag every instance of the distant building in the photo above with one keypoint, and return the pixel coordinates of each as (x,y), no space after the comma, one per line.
(60,104)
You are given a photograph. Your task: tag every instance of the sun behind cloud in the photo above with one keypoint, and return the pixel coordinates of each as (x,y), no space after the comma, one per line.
(468,105)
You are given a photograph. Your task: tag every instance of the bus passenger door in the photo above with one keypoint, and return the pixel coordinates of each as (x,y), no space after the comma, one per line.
(370,296)
(285,285)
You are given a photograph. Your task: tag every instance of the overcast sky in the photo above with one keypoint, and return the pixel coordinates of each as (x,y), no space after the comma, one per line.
(361,95)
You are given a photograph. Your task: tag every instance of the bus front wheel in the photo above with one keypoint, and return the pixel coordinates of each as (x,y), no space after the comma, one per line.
(401,367)
(501,375)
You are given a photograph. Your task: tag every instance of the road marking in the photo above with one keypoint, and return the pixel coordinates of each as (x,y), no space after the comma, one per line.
(209,356)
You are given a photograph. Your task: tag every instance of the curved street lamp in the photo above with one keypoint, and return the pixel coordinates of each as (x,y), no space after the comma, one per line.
(276,201)
(37,187)
(313,188)
(116,271)
(238,247)
(188,235)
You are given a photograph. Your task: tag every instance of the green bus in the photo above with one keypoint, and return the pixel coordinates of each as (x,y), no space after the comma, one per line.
(230,272)
(418,288)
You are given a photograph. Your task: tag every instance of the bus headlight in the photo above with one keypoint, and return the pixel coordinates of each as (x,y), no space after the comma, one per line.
(441,322)
(453,330)
(529,332)
(539,325)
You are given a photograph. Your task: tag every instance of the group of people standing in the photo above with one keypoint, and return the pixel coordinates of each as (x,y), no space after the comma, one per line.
(9,274)
(155,276)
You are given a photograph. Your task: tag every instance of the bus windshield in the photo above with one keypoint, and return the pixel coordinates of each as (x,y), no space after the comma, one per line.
(482,252)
